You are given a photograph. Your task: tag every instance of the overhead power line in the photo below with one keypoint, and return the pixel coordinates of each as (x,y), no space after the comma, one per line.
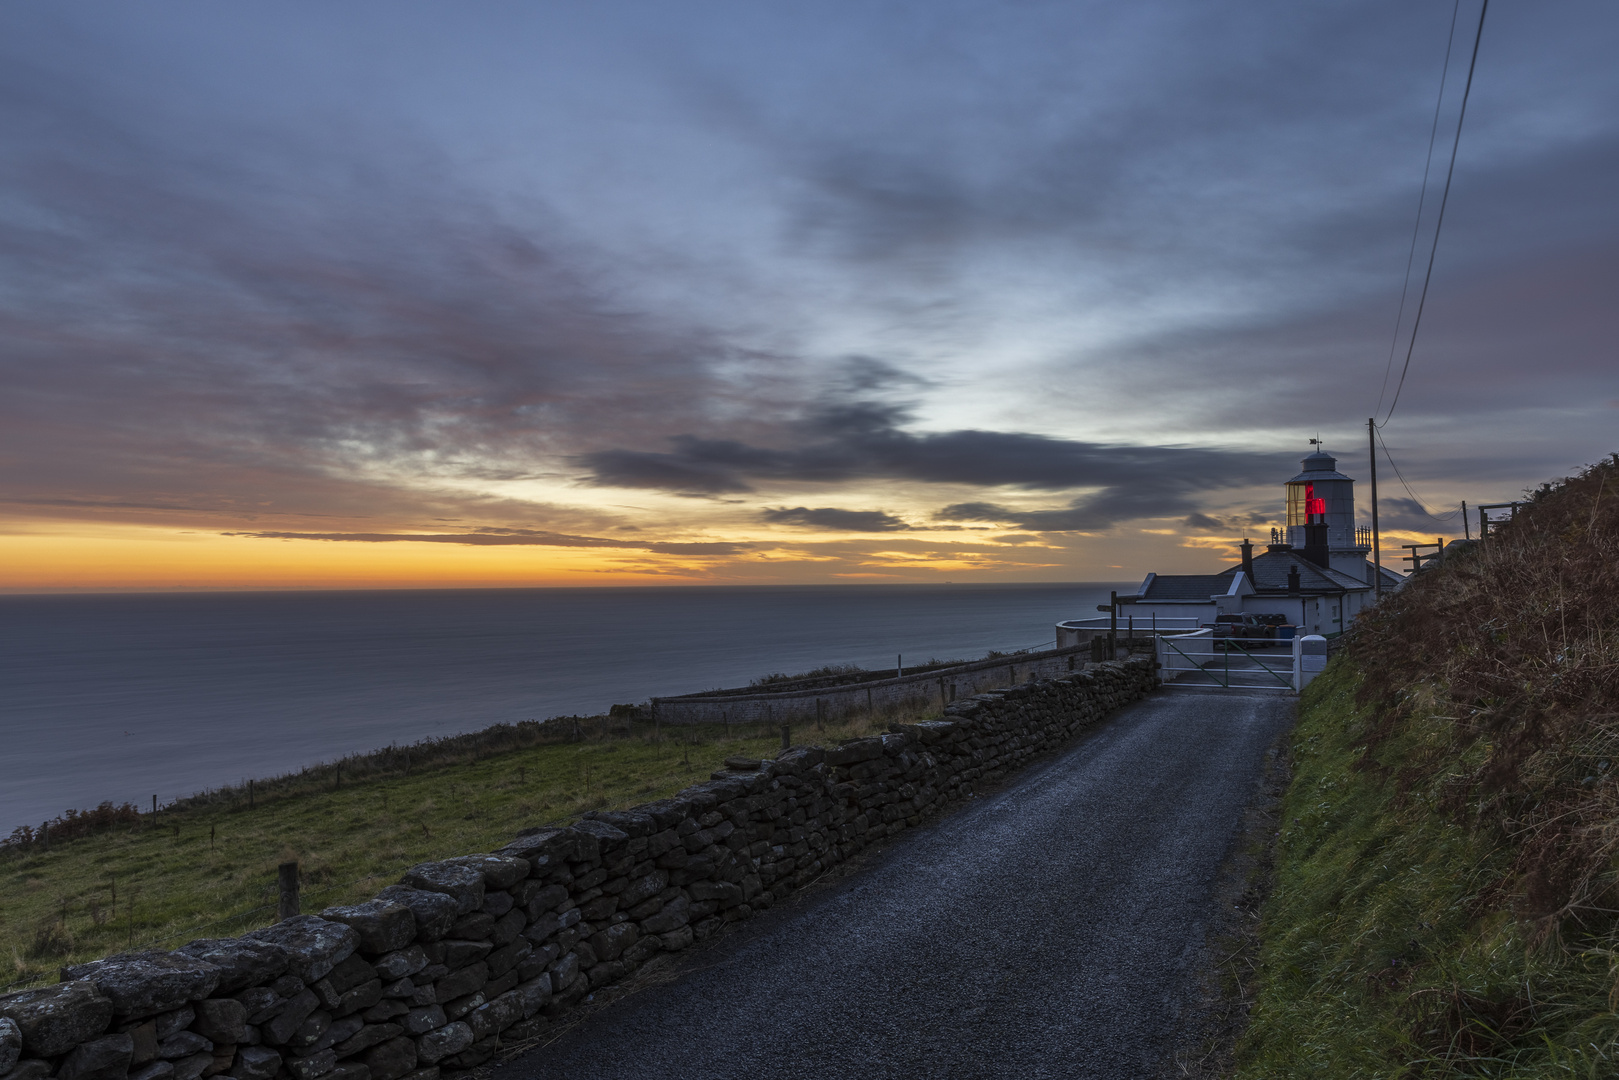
(1444,200)
(1421,503)
(1422,202)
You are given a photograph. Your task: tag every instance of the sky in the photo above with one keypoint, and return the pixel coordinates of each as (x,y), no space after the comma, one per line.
(423,295)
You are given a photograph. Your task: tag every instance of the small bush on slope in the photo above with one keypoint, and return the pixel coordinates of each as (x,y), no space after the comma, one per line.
(1446,893)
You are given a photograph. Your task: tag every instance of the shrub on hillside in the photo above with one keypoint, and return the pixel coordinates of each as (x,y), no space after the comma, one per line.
(73,824)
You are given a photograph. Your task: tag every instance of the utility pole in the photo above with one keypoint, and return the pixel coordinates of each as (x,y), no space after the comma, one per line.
(1377,540)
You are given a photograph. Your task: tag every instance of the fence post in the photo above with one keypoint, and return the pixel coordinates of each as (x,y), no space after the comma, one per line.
(1113,626)
(287,879)
(786,736)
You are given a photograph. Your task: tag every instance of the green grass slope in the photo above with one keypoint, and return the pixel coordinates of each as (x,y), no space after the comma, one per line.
(1446,900)
(206,867)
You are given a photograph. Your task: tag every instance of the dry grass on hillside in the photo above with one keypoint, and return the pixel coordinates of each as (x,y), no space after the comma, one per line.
(1447,891)
(1518,643)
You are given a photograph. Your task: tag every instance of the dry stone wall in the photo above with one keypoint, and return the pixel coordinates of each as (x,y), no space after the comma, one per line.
(430,978)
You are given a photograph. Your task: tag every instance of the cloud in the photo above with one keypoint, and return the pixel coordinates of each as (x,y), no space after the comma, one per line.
(491,537)
(862,441)
(1229,523)
(828,517)
(1150,496)
(867,374)
(191,312)
(1408,515)
(686,474)
(974,511)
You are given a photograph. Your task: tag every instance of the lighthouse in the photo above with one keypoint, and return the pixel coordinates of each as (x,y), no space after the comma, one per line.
(1315,576)
(1321,517)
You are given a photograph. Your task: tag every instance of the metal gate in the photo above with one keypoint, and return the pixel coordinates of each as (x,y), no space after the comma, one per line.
(1201,661)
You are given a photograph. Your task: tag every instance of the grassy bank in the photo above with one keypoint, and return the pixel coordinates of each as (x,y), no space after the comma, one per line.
(1447,897)
(206,867)
(1390,944)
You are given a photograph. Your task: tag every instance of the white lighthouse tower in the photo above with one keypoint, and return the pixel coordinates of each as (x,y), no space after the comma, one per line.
(1321,517)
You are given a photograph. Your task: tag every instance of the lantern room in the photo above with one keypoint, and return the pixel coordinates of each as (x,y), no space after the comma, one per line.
(1321,515)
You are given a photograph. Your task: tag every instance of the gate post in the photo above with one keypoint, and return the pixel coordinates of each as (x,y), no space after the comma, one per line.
(1311,654)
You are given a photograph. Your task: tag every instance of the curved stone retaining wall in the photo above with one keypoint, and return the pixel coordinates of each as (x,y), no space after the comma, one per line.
(928,689)
(431,977)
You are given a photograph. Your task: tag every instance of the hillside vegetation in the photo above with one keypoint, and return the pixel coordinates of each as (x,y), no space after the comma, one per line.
(1446,900)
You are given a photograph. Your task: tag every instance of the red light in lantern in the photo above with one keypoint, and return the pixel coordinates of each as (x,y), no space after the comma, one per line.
(1312,505)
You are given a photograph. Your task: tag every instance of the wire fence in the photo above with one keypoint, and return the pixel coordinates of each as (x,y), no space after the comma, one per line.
(191,933)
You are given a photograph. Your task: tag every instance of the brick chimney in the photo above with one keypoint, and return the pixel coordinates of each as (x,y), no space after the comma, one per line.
(1315,545)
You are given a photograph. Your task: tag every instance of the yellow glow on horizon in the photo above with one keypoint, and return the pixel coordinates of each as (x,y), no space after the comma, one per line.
(79,555)
(126,557)
(99,556)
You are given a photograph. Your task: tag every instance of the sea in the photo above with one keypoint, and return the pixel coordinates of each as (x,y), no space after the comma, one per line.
(124,697)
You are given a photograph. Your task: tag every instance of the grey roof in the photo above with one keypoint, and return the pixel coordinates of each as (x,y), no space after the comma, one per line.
(1349,581)
(1271,568)
(1186,587)
(1320,466)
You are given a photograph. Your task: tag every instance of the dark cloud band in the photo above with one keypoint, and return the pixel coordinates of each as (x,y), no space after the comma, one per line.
(863,441)
(832,518)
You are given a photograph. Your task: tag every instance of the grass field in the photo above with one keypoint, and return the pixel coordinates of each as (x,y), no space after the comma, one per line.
(208,868)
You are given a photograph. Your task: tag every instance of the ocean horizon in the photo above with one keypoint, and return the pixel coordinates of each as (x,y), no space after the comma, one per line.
(123,696)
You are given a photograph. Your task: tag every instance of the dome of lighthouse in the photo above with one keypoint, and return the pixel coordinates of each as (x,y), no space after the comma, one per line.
(1319,466)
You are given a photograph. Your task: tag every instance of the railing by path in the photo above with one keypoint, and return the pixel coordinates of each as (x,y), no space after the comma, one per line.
(1130,624)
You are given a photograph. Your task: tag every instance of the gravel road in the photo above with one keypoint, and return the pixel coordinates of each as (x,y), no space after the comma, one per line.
(1048,929)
